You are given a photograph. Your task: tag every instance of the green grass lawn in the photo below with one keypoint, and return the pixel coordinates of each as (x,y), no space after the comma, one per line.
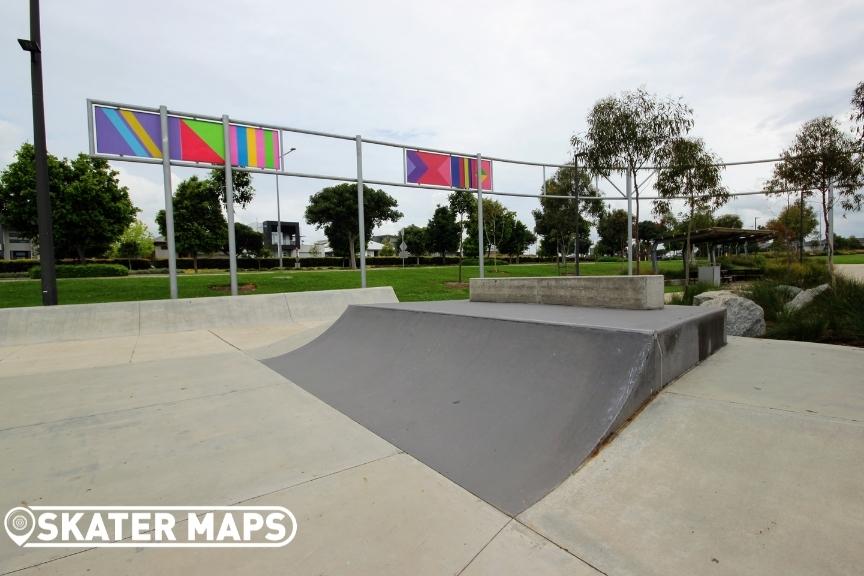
(410,284)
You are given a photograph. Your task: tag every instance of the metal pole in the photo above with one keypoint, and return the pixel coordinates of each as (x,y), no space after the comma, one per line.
(229,206)
(576,194)
(629,223)
(801,229)
(278,225)
(480,216)
(169,203)
(361,217)
(43,192)
(831,227)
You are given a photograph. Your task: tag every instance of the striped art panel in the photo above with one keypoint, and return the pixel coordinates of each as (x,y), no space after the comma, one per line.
(464,172)
(127,132)
(254,147)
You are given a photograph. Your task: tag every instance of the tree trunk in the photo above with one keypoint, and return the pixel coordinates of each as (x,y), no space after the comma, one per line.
(82,259)
(829,246)
(687,250)
(351,258)
(195,262)
(636,221)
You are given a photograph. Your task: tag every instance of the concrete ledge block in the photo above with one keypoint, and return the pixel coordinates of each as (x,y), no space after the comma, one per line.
(628,292)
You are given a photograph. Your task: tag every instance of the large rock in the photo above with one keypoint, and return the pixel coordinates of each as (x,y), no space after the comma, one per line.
(790,291)
(743,317)
(806,297)
(699,299)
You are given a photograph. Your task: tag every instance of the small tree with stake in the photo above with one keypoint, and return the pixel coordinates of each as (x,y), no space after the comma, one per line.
(822,161)
(689,173)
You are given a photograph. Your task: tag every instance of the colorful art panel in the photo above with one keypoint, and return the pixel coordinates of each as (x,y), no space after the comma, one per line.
(464,172)
(445,170)
(127,132)
(204,141)
(255,147)
(196,140)
(427,168)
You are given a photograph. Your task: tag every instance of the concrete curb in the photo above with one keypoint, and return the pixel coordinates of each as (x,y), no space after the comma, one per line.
(34,324)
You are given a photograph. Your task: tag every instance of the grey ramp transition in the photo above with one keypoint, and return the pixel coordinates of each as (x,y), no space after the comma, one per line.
(506,400)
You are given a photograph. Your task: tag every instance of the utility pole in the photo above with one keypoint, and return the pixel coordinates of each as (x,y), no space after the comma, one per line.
(576,196)
(43,194)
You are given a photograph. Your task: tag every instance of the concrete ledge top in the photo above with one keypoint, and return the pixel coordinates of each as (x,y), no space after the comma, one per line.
(629,292)
(603,318)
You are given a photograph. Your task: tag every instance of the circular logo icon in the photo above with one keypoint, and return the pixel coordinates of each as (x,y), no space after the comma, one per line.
(19,523)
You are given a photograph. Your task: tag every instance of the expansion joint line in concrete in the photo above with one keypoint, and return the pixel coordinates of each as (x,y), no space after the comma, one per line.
(570,552)
(803,414)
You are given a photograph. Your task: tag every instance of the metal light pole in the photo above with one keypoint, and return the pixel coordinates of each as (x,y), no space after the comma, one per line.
(43,194)
(279,214)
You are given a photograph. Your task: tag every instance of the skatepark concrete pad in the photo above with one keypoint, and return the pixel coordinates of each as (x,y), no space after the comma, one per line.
(506,400)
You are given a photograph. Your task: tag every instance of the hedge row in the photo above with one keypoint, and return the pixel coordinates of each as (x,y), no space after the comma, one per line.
(26,265)
(83,270)
(143,264)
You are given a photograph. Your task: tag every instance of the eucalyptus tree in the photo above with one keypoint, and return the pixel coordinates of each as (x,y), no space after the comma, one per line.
(690,173)
(825,162)
(627,132)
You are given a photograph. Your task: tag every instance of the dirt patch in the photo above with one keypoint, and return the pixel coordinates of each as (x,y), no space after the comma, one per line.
(226,288)
(456,285)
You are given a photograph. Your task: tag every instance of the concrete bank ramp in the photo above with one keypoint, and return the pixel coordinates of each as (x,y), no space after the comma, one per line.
(506,400)
(37,324)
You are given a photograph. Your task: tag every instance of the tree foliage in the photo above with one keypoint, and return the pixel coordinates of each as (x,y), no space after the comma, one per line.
(199,225)
(556,219)
(612,229)
(858,112)
(729,221)
(241,183)
(335,210)
(90,209)
(627,132)
(134,242)
(415,239)
(442,232)
(787,225)
(249,241)
(822,158)
(689,173)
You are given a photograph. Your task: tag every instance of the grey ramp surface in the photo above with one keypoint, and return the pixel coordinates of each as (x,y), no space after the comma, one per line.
(505,408)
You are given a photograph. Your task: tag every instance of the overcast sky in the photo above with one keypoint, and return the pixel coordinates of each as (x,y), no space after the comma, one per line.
(507,79)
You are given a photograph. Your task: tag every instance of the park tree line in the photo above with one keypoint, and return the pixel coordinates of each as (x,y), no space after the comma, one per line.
(94,215)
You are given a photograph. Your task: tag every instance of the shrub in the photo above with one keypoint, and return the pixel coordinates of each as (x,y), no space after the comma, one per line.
(692,290)
(772,300)
(835,315)
(17,265)
(83,270)
(807,275)
(742,261)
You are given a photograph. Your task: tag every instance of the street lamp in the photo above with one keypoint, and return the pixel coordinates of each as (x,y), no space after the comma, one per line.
(43,196)
(279,213)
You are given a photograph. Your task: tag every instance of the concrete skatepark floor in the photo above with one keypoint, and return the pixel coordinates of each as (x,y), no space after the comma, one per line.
(751,463)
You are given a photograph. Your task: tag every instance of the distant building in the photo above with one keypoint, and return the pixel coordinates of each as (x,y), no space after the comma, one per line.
(290,238)
(13,246)
(319,249)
